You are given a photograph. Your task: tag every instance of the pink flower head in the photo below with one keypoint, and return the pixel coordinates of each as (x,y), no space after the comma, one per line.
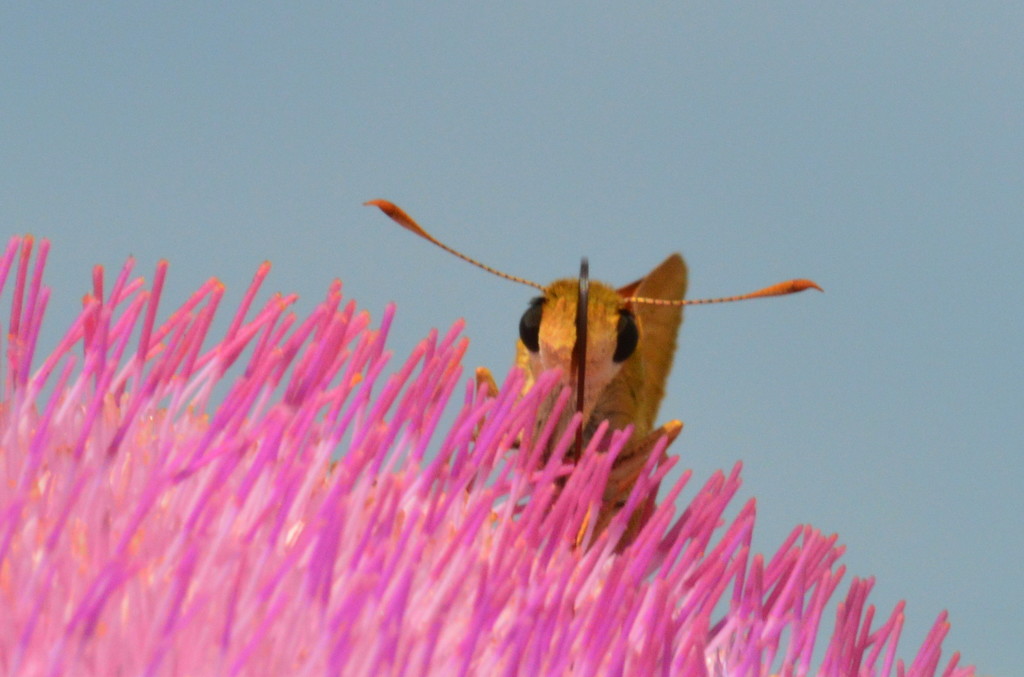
(317,518)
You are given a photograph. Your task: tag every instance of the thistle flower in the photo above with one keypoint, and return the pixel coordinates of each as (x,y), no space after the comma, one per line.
(298,525)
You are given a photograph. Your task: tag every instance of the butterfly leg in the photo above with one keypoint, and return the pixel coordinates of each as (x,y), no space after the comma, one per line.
(485,378)
(628,466)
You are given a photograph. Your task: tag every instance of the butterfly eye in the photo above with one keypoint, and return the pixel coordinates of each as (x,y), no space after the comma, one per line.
(627,337)
(529,325)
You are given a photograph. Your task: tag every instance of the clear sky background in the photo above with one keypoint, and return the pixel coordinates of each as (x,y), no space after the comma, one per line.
(876,149)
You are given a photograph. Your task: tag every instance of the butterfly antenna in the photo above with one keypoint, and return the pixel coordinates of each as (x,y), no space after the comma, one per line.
(405,221)
(780,289)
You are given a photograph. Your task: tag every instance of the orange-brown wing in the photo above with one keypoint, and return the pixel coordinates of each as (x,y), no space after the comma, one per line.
(659,327)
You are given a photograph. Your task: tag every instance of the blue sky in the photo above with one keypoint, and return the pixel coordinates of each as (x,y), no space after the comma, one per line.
(876,149)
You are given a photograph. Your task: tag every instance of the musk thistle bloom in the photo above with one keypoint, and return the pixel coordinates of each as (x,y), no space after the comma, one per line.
(275,501)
